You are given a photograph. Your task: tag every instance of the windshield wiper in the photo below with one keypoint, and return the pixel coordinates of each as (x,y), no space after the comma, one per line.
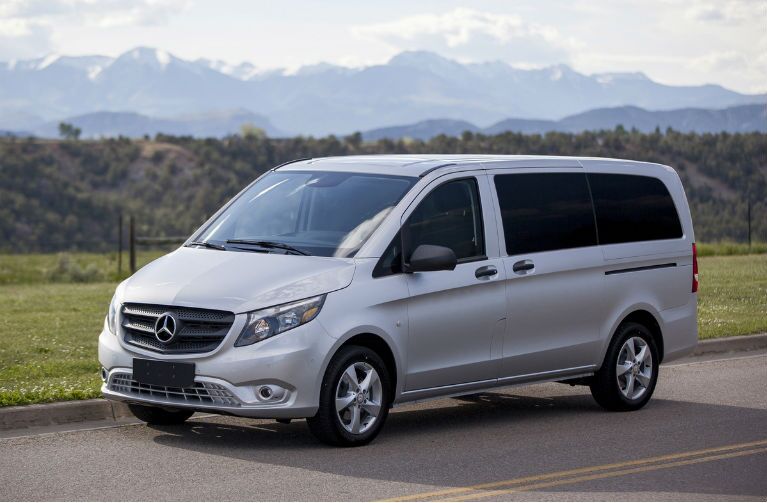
(207,244)
(267,244)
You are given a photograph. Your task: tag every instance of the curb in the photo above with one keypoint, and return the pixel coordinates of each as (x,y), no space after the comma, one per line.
(98,409)
(58,413)
(728,344)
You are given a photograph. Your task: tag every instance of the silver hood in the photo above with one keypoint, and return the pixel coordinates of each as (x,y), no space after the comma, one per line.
(234,281)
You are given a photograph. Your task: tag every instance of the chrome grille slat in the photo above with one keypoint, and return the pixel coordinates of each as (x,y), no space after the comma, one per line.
(141,327)
(199,330)
(202,392)
(143,310)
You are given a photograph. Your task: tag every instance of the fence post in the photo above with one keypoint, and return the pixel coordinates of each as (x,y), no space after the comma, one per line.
(749,224)
(119,245)
(132,243)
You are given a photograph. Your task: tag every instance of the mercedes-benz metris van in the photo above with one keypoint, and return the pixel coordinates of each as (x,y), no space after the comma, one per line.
(332,289)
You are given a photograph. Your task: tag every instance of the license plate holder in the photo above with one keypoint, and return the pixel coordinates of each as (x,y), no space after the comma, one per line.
(163,373)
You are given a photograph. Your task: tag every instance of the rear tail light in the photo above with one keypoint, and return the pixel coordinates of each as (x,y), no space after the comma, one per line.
(694,268)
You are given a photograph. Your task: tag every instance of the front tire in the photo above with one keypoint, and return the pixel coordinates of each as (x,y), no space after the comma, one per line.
(159,416)
(354,398)
(629,373)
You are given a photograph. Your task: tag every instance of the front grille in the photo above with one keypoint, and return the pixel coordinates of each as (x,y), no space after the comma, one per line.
(198,330)
(202,392)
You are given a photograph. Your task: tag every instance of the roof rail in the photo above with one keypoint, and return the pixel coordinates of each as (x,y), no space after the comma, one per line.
(290,162)
(435,168)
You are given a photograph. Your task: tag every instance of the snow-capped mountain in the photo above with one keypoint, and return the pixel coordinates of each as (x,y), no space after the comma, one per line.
(325,98)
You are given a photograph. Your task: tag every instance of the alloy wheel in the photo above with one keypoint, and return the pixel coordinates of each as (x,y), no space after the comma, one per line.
(359,396)
(634,368)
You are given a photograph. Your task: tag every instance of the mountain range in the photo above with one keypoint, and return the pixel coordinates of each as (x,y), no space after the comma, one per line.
(739,119)
(158,90)
(133,125)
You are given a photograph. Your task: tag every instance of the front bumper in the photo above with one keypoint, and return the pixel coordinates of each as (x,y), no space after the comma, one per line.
(230,380)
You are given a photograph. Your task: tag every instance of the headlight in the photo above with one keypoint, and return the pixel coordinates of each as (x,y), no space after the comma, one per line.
(112,315)
(271,321)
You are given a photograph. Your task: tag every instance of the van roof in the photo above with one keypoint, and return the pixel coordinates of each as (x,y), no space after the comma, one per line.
(422,164)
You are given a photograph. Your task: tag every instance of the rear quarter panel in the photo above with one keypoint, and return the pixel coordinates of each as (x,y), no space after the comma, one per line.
(665,292)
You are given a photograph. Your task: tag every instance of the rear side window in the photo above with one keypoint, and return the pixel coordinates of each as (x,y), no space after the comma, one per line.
(545,211)
(633,208)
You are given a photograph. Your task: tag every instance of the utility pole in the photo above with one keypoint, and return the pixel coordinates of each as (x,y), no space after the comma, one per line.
(132,243)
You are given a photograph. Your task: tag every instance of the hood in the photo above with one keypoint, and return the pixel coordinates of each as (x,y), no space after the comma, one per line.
(234,281)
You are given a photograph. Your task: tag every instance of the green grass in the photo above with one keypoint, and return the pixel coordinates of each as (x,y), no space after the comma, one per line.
(48,331)
(40,267)
(733,295)
(730,248)
(48,337)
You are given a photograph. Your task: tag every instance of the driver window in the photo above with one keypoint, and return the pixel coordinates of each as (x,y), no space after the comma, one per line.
(449,216)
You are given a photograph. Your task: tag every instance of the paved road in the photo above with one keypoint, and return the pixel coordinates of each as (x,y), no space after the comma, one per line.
(703,436)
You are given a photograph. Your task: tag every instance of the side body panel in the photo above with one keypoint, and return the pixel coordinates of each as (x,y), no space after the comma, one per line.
(554,309)
(377,306)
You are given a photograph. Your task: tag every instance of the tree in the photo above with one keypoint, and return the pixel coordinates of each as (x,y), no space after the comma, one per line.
(68,131)
(249,130)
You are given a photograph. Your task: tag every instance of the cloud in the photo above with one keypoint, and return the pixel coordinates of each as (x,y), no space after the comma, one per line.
(471,35)
(27,27)
(734,12)
(20,40)
(749,69)
(99,13)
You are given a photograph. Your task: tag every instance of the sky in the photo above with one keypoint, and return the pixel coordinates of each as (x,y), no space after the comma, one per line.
(679,42)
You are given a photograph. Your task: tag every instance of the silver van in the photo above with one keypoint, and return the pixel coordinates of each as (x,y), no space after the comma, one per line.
(333,289)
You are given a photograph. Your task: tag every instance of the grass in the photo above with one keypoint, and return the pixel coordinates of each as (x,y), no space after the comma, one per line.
(48,337)
(733,295)
(730,248)
(41,267)
(48,331)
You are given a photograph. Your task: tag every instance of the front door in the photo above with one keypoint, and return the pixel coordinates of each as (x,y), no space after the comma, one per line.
(455,316)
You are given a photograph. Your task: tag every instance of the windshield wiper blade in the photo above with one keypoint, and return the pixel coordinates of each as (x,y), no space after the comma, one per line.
(267,244)
(207,244)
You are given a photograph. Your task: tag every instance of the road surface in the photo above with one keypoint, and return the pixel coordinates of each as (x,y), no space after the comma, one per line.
(703,436)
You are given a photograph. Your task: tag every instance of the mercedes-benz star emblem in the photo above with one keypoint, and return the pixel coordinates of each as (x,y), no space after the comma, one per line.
(165,328)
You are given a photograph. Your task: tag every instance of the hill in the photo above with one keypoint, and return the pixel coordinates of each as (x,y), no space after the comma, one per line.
(112,124)
(67,195)
(739,119)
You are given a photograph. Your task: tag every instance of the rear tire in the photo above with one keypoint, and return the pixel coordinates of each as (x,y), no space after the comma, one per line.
(629,372)
(159,416)
(354,398)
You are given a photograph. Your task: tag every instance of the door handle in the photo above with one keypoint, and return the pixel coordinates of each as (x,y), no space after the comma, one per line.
(485,271)
(523,266)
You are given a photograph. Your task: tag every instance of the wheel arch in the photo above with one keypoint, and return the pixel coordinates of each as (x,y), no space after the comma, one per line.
(379,344)
(644,316)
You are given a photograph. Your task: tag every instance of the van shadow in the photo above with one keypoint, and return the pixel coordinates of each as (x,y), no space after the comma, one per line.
(479,438)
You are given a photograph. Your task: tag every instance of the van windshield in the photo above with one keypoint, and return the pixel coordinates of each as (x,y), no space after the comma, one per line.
(321,213)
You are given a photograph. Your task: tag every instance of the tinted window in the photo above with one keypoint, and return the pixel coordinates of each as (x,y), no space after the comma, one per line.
(545,211)
(633,208)
(450,216)
(391,260)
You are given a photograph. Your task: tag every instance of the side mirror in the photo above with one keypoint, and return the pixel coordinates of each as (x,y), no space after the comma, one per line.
(432,258)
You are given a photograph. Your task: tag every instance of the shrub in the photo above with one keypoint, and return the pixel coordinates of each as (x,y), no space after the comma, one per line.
(68,270)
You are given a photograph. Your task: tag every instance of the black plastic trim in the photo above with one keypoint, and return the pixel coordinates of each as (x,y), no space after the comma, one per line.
(291,162)
(643,268)
(436,168)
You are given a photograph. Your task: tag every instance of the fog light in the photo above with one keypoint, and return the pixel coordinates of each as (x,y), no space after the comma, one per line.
(104,374)
(271,393)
